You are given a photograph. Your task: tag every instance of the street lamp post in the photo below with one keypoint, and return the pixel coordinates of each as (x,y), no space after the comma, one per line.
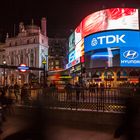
(44,75)
(4,64)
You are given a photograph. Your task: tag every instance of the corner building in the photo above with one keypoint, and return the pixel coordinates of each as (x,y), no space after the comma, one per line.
(29,47)
(105,48)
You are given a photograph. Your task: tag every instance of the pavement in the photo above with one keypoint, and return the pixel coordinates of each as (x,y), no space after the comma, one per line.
(23,127)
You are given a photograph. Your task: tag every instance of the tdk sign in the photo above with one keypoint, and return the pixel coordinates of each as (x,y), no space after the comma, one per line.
(130,54)
(108,39)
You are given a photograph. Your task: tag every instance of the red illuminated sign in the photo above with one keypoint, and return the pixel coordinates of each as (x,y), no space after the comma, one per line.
(108,19)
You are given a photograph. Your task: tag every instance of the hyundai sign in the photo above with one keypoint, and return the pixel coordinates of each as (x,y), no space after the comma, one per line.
(130,57)
(126,41)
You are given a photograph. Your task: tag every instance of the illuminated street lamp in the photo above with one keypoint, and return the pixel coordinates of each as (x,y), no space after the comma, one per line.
(44,62)
(4,64)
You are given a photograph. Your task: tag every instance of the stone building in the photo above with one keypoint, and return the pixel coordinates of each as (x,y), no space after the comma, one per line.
(29,47)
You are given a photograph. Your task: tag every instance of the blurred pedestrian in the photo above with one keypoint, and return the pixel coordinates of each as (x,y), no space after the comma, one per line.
(77,88)
(16,91)
(130,126)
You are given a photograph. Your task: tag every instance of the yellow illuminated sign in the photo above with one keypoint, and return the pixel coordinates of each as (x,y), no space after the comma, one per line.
(65,77)
(44,61)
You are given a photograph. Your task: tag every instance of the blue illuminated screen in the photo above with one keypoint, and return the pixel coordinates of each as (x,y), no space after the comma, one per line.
(113,48)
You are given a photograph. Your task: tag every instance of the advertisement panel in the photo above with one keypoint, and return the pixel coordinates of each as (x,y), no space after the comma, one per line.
(106,34)
(110,19)
(130,57)
(78,34)
(121,38)
(79,49)
(71,42)
(72,56)
(113,48)
(73,63)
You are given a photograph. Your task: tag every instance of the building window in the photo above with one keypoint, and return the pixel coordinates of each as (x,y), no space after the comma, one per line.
(12,58)
(31,58)
(15,43)
(56,62)
(21,57)
(27,41)
(52,63)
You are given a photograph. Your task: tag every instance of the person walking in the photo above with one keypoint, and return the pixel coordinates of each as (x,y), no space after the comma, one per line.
(16,91)
(77,88)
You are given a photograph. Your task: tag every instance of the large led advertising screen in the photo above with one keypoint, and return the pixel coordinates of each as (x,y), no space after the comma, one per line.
(113,48)
(71,42)
(110,19)
(112,30)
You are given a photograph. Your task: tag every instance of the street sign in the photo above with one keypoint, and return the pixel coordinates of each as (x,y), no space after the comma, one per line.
(44,62)
(23,67)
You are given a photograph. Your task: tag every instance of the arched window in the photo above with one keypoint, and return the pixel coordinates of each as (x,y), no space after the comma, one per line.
(108,74)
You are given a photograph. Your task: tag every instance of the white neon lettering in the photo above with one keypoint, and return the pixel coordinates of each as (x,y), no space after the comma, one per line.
(110,39)
(101,39)
(120,38)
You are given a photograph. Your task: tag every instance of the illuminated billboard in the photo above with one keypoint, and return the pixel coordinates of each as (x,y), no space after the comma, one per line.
(110,19)
(113,48)
(112,31)
(78,34)
(71,42)
(79,49)
(72,56)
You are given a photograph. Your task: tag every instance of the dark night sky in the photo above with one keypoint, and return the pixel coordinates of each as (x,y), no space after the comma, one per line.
(62,15)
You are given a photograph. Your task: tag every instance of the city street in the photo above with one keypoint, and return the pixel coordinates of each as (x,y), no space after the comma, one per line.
(17,126)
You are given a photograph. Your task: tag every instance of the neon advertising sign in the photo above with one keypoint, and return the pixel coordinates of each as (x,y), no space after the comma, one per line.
(126,42)
(114,31)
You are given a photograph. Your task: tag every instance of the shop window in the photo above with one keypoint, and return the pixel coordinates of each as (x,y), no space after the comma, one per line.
(97,74)
(108,74)
(56,67)
(133,73)
(121,73)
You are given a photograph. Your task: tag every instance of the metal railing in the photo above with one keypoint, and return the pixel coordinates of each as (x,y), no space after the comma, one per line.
(92,99)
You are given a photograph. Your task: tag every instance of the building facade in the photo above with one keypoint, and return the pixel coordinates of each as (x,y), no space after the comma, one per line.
(57,58)
(105,48)
(29,47)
